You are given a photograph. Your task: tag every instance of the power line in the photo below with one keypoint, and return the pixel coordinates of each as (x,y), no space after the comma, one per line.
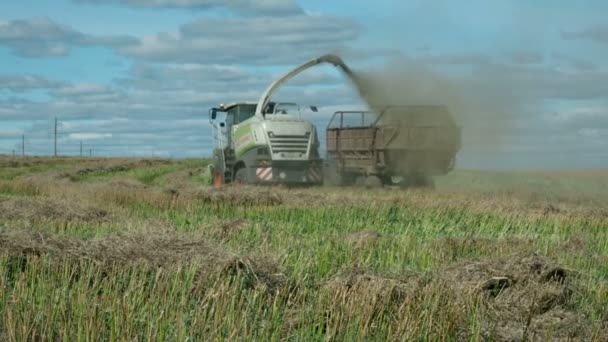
(56,136)
(55,151)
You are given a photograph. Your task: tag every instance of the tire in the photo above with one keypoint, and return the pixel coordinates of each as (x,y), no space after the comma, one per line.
(240,177)
(395,180)
(373,182)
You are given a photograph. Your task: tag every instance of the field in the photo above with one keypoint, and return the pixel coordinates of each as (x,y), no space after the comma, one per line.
(131,249)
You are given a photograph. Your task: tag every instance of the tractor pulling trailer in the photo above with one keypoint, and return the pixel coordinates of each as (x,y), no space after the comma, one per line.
(268,142)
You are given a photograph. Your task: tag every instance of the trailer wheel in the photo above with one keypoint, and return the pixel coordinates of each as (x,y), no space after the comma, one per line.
(240,177)
(373,182)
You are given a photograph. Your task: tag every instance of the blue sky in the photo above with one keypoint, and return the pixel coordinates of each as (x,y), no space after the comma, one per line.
(527,80)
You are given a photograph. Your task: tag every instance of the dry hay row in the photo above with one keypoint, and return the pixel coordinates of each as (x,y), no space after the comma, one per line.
(6,161)
(46,209)
(95,202)
(156,249)
(113,166)
(520,297)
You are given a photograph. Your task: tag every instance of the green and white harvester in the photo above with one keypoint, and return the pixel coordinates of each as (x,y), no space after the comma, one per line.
(267,142)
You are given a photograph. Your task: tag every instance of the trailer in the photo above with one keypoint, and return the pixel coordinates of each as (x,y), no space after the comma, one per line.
(401,145)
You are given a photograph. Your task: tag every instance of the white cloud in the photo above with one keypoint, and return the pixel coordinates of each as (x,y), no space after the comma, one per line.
(41,37)
(27,82)
(248,41)
(598,34)
(89,136)
(245,7)
(10,133)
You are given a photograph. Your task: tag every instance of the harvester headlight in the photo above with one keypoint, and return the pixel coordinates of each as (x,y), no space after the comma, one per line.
(270,134)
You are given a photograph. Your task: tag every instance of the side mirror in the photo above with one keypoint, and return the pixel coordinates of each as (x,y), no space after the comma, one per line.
(314,108)
(213,113)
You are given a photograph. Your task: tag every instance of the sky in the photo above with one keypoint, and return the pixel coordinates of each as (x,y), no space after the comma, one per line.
(526,80)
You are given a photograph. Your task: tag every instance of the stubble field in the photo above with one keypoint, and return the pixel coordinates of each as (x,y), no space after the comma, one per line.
(133,249)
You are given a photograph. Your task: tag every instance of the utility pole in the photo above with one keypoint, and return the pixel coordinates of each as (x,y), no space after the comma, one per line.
(55,151)
(23,145)
(13,153)
(90,152)
(81,148)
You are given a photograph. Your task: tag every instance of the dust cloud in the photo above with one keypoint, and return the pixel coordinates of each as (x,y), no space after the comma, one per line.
(483,106)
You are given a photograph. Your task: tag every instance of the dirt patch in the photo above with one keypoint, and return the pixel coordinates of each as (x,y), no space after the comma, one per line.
(181,180)
(155,248)
(102,167)
(544,208)
(126,184)
(454,248)
(111,166)
(6,161)
(46,209)
(521,294)
(358,295)
(226,230)
(578,244)
(384,290)
(363,238)
(521,297)
(236,196)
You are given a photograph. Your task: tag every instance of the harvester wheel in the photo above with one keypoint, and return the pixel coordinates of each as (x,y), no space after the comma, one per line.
(240,177)
(373,182)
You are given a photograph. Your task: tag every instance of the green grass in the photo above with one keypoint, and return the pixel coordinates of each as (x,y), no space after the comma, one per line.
(282,275)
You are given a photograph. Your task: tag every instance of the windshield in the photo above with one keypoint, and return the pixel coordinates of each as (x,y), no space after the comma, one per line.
(287,109)
(242,112)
